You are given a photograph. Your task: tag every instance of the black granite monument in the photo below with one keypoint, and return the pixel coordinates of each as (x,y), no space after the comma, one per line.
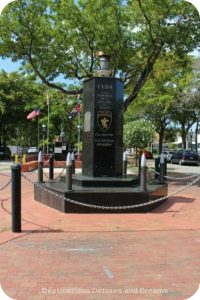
(102,182)
(103,127)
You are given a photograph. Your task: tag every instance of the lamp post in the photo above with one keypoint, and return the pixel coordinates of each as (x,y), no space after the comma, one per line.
(62,135)
(79,138)
(79,127)
(48,105)
(43,135)
(191,135)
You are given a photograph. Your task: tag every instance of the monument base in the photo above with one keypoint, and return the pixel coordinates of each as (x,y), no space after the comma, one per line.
(103,181)
(55,195)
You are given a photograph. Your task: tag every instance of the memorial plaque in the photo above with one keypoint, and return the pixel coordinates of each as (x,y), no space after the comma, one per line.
(87,121)
(103,145)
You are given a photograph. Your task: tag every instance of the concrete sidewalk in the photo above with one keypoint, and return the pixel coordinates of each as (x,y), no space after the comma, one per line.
(101,256)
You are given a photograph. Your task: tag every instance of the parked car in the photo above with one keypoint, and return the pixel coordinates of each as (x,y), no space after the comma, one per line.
(32,150)
(5,153)
(185,157)
(168,155)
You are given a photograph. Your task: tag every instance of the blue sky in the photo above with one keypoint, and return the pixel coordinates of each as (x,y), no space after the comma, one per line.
(9,66)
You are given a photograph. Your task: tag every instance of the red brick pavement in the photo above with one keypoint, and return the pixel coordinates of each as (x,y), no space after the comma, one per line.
(96,256)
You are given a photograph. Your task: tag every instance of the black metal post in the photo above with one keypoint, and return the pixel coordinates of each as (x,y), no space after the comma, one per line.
(69,172)
(139,167)
(124,163)
(51,169)
(40,171)
(16,198)
(157,167)
(162,174)
(40,167)
(143,179)
(162,169)
(143,174)
(73,163)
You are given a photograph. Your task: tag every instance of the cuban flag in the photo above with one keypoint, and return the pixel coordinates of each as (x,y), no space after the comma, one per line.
(33,114)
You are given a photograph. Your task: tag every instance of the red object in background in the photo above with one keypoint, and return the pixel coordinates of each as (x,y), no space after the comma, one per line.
(33,114)
(148,154)
(75,110)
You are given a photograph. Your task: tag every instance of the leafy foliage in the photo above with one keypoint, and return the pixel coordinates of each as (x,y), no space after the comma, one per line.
(138,134)
(161,99)
(19,95)
(56,38)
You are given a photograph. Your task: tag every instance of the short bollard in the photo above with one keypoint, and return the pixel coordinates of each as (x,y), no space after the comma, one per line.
(143,176)
(16,158)
(139,166)
(162,169)
(157,167)
(73,162)
(16,198)
(124,163)
(40,167)
(24,158)
(51,169)
(69,172)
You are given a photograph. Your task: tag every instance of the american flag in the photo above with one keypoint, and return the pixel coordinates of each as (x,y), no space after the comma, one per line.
(33,114)
(75,110)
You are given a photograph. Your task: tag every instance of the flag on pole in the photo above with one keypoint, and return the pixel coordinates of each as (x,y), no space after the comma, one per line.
(33,114)
(75,110)
(47,101)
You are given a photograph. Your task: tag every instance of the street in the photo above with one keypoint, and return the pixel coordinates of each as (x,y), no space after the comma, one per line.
(171,168)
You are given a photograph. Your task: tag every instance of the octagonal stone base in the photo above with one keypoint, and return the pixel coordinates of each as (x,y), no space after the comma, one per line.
(55,195)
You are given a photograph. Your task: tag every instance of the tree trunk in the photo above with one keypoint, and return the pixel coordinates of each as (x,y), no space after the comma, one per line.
(184,136)
(1,134)
(161,137)
(4,138)
(196,136)
(136,157)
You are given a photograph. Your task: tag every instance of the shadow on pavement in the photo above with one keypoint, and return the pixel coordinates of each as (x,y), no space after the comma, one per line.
(165,207)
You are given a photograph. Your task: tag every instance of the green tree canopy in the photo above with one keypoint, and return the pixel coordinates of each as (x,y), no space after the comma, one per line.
(186,107)
(138,134)
(56,38)
(20,95)
(160,99)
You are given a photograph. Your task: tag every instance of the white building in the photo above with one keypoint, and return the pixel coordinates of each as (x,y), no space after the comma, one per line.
(190,141)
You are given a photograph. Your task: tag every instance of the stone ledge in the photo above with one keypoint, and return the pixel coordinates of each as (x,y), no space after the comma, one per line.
(98,196)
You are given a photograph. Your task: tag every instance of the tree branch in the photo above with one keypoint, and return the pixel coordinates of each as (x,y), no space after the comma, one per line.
(50,84)
(90,45)
(128,75)
(144,75)
(147,20)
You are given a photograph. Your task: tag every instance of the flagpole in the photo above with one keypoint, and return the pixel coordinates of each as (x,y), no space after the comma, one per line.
(48,104)
(33,114)
(38,134)
(79,127)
